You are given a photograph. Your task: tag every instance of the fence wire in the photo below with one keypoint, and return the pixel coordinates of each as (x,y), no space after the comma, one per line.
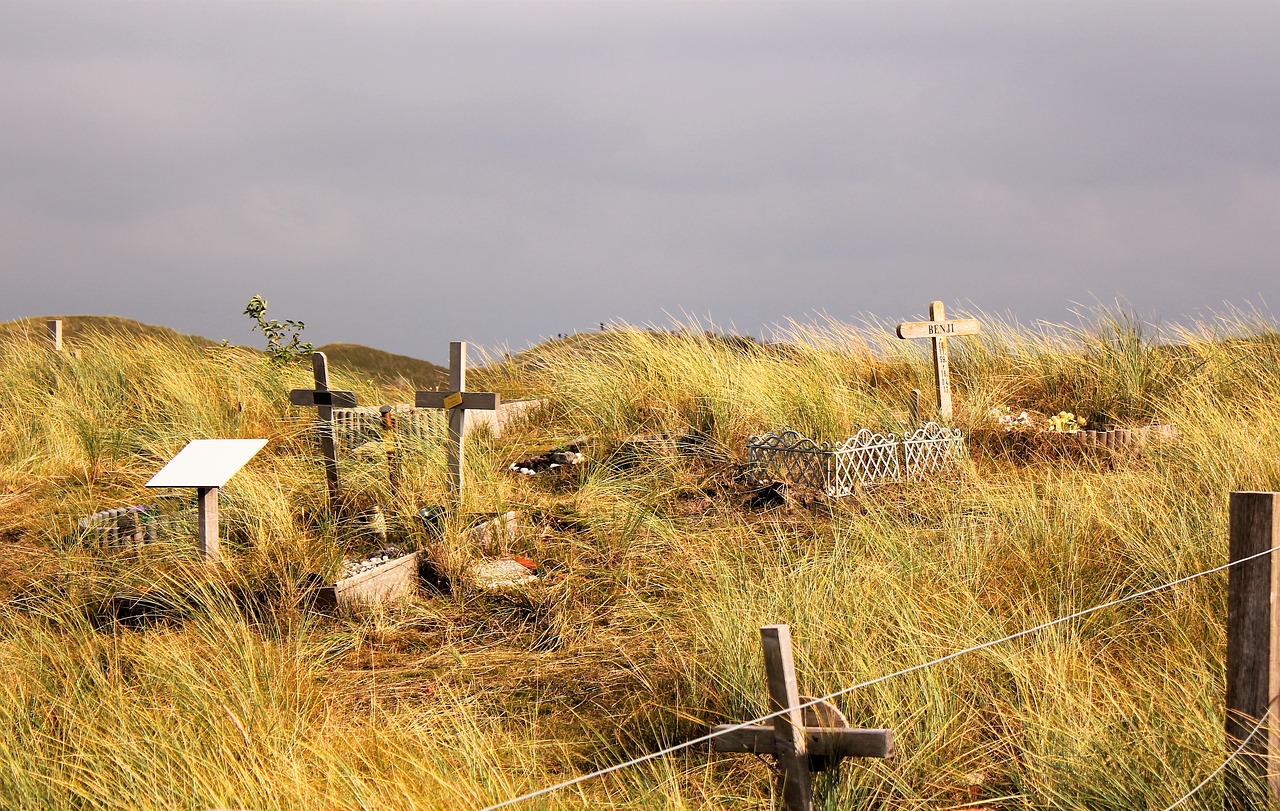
(879,679)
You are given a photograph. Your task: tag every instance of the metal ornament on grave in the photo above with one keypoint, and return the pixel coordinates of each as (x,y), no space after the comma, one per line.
(867,457)
(938,329)
(930,448)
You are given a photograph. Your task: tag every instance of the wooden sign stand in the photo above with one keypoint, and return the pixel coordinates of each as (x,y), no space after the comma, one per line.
(206,465)
(802,741)
(457,401)
(938,329)
(325,401)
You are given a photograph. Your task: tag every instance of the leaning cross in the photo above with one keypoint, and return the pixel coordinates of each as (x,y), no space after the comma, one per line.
(802,741)
(325,401)
(938,329)
(457,401)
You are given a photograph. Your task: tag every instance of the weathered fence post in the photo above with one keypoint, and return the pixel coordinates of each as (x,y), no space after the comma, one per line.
(1253,650)
(915,408)
(389,445)
(53,328)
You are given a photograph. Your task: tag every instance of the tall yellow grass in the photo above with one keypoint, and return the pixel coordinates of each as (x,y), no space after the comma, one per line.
(234,694)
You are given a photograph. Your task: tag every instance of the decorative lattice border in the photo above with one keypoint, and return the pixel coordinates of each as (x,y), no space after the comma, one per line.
(865,458)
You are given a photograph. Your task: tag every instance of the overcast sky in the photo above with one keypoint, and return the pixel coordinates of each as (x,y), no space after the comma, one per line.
(405,174)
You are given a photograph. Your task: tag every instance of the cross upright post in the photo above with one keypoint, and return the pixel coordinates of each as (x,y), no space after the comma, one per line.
(324,401)
(457,401)
(937,329)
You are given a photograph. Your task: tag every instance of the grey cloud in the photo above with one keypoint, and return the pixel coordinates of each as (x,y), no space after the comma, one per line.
(400,174)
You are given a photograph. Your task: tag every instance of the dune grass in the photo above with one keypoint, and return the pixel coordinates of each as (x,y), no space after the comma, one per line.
(232,693)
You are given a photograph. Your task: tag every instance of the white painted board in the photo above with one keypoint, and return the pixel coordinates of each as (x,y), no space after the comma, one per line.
(207,463)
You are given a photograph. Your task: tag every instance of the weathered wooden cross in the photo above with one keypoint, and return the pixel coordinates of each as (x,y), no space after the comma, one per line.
(457,401)
(802,741)
(938,329)
(325,401)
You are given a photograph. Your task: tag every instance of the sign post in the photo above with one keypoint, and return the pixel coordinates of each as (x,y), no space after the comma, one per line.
(457,401)
(206,465)
(938,329)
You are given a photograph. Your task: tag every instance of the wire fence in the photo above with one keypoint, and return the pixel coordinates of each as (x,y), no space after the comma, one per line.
(725,730)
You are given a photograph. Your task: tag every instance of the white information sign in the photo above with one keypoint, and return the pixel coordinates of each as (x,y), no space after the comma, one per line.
(207,462)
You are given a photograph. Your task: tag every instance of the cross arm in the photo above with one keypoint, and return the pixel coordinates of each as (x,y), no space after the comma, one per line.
(316,397)
(835,743)
(939,329)
(480,400)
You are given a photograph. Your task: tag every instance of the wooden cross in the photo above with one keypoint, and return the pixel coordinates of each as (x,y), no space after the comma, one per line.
(938,329)
(457,401)
(802,741)
(325,401)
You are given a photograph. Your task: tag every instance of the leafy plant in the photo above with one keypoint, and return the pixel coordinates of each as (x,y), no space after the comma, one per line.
(277,334)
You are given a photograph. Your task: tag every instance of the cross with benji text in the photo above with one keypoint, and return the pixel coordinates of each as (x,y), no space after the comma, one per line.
(457,401)
(938,329)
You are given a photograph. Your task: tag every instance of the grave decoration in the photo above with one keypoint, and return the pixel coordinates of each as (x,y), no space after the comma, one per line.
(802,741)
(866,458)
(937,329)
(206,465)
(565,456)
(1031,433)
(385,576)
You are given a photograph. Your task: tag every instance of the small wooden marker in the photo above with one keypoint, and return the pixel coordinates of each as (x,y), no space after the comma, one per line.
(457,401)
(325,401)
(938,329)
(53,328)
(803,741)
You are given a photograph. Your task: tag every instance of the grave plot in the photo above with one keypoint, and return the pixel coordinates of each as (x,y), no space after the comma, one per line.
(385,576)
(1026,435)
(165,518)
(563,457)
(344,427)
(866,458)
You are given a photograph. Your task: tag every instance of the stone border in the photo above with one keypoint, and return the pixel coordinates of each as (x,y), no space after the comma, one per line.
(391,581)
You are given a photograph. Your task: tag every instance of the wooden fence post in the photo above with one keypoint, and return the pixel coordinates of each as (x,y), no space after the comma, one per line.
(53,328)
(1253,650)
